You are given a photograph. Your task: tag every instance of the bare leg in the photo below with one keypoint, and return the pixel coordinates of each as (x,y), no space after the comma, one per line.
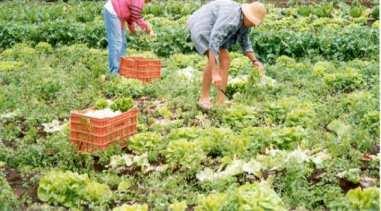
(206,83)
(224,72)
(216,76)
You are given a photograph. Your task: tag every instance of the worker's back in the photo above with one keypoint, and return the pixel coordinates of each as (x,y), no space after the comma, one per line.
(208,13)
(223,17)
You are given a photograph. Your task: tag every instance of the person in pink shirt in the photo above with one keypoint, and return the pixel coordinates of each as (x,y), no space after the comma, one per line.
(117,14)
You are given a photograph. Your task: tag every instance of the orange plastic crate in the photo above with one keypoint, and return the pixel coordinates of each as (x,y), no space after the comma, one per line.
(90,134)
(140,68)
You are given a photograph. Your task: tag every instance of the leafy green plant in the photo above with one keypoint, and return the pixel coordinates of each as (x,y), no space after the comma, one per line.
(44,48)
(101,104)
(215,141)
(10,66)
(179,61)
(269,43)
(8,199)
(125,185)
(134,207)
(178,206)
(356,11)
(256,196)
(283,138)
(97,193)
(344,81)
(352,175)
(188,133)
(238,85)
(304,117)
(120,87)
(323,10)
(148,142)
(185,154)
(304,11)
(376,12)
(213,202)
(122,104)
(239,116)
(259,196)
(172,40)
(370,122)
(364,199)
(144,142)
(68,189)
(240,65)
(110,179)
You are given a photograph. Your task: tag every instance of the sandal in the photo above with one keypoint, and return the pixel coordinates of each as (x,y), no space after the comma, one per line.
(204,106)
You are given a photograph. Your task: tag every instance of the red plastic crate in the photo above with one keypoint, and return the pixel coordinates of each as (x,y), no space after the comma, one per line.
(140,68)
(90,134)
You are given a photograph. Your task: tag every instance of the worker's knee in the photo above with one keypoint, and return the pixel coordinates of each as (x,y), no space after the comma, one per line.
(224,59)
(225,64)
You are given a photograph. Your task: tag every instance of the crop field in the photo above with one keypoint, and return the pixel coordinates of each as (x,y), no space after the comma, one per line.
(306,137)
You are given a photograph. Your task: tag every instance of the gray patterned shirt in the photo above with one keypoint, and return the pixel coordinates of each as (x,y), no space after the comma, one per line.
(219,24)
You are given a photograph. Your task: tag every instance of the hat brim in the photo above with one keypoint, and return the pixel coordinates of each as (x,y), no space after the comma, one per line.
(254,20)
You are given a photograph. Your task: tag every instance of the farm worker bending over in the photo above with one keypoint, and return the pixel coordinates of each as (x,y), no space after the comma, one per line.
(214,28)
(116,14)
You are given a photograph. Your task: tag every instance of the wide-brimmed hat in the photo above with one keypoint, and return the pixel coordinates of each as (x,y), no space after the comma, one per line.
(255,12)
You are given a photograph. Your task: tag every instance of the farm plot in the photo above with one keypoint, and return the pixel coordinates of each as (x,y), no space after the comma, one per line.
(306,137)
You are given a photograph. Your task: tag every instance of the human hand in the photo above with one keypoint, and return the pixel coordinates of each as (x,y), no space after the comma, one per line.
(152,34)
(260,67)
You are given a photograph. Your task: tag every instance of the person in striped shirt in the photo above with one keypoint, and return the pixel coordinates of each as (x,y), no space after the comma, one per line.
(118,13)
(214,28)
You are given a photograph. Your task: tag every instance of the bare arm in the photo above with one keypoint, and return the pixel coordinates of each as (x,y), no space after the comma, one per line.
(256,63)
(251,56)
